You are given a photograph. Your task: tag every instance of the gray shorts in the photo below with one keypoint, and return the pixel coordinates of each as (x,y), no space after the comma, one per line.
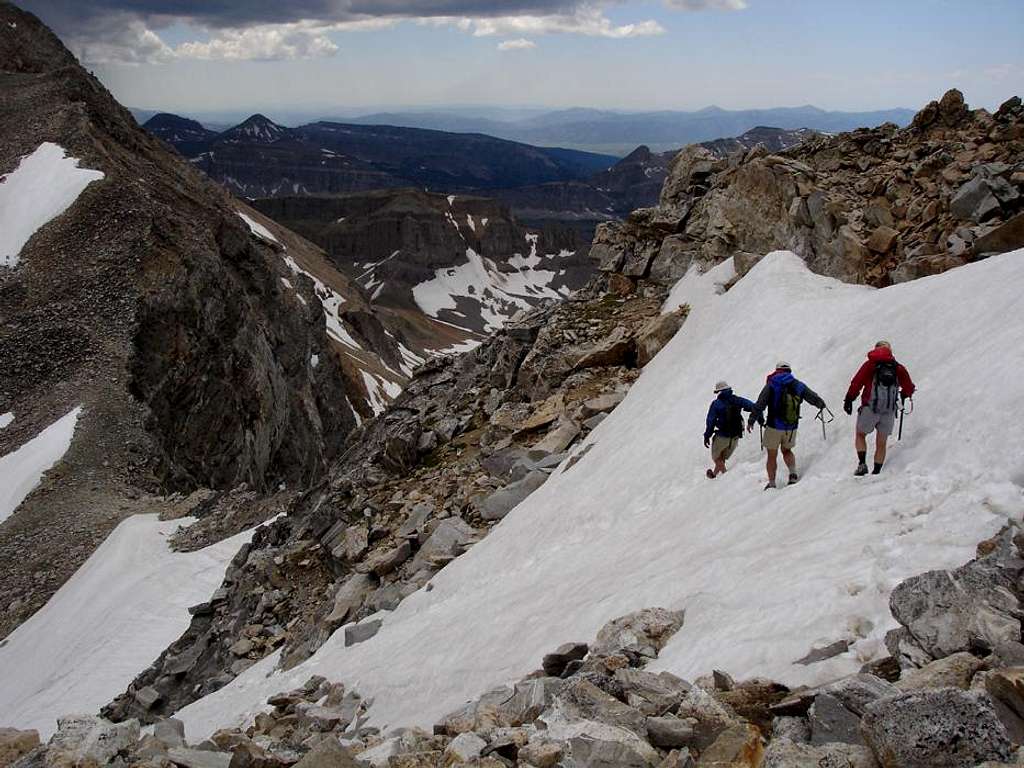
(868,421)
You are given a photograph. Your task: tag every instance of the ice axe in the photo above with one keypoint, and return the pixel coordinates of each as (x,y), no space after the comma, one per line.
(821,417)
(903,412)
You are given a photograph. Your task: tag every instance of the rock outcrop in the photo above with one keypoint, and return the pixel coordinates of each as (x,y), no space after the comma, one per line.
(875,206)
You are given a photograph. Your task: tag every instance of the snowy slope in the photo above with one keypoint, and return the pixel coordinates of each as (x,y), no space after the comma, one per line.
(108,622)
(763,577)
(21,470)
(43,186)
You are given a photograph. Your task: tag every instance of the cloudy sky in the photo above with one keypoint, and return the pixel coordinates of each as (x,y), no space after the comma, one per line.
(198,56)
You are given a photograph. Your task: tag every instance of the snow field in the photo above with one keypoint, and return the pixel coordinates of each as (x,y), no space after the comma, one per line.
(43,186)
(112,618)
(763,576)
(22,470)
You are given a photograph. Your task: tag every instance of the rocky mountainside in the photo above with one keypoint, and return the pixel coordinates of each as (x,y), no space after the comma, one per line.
(145,322)
(876,206)
(463,261)
(187,136)
(772,139)
(259,158)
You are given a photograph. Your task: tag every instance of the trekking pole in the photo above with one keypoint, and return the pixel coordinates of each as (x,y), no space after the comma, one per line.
(821,417)
(760,428)
(903,412)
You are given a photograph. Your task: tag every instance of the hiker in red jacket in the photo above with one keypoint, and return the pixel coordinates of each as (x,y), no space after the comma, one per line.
(879,382)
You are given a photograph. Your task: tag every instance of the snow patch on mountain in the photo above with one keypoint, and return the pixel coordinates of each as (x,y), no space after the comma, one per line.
(116,614)
(763,577)
(44,185)
(22,470)
(6,419)
(258,229)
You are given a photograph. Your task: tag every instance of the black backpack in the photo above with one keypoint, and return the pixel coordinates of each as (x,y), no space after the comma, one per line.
(886,387)
(733,425)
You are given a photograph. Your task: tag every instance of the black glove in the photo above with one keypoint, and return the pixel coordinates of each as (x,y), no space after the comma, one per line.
(707,442)
(848,406)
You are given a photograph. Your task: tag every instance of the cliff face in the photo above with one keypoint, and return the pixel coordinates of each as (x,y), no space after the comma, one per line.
(875,205)
(149,304)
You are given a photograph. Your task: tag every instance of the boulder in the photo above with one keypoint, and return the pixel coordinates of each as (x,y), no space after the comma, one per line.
(609,257)
(673,260)
(882,239)
(785,753)
(529,699)
(922,266)
(975,201)
(87,738)
(540,753)
(739,746)
(360,633)
(615,349)
(580,699)
(198,758)
(670,732)
(148,696)
(832,722)
(554,663)
(954,671)
(795,729)
(15,743)
(657,332)
(652,693)
(503,501)
(744,261)
(620,285)
(943,728)
(464,748)
(587,752)
(1006,237)
(349,597)
(856,692)
(643,633)
(1007,686)
(446,542)
(384,562)
(713,717)
(602,403)
(558,439)
(170,731)
(328,754)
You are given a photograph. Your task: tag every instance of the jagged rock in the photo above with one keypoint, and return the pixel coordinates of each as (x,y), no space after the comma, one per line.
(643,633)
(670,732)
(349,597)
(15,743)
(658,332)
(832,722)
(975,201)
(620,285)
(785,753)
(739,746)
(558,439)
(673,260)
(827,652)
(743,261)
(882,239)
(922,266)
(582,700)
(328,754)
(354,542)
(602,403)
(944,728)
(446,541)
(856,692)
(503,501)
(418,516)
(198,758)
(652,693)
(1007,686)
(485,711)
(609,258)
(148,697)
(712,716)
(954,671)
(541,753)
(383,563)
(464,748)
(170,731)
(722,680)
(795,729)
(589,752)
(678,758)
(554,663)
(1006,237)
(547,413)
(360,633)
(85,738)
(615,349)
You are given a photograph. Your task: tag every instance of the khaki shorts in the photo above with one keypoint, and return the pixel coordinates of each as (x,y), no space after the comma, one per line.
(778,438)
(722,447)
(868,421)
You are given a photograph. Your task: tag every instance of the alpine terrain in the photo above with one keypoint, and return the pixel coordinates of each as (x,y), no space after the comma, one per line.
(393,477)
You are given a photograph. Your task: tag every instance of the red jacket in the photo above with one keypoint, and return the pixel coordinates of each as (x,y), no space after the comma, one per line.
(865,377)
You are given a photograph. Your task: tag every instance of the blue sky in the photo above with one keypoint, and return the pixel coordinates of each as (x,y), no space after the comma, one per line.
(626,55)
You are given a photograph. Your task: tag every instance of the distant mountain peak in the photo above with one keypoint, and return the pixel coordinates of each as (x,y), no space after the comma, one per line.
(257,128)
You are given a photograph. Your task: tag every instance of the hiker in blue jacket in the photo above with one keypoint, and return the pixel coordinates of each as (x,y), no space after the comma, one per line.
(725,426)
(782,395)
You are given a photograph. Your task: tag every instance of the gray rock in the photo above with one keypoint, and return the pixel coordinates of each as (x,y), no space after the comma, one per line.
(560,438)
(198,758)
(670,732)
(975,201)
(359,633)
(602,403)
(383,563)
(147,697)
(609,258)
(713,717)
(580,699)
(554,663)
(596,753)
(643,633)
(651,693)
(1006,237)
(954,671)
(856,692)
(796,729)
(1007,686)
(830,722)
(594,421)
(503,501)
(170,731)
(615,349)
(349,597)
(418,516)
(827,652)
(328,754)
(464,748)
(785,753)
(446,541)
(656,333)
(530,698)
(15,743)
(743,261)
(944,728)
(87,738)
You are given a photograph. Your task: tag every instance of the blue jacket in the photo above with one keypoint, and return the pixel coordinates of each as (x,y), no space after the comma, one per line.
(718,412)
(771,398)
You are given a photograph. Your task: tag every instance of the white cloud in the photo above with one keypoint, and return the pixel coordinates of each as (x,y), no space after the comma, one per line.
(587,20)
(267,42)
(122,42)
(519,44)
(707,5)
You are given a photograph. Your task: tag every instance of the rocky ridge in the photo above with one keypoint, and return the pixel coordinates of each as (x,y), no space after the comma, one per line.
(874,206)
(951,695)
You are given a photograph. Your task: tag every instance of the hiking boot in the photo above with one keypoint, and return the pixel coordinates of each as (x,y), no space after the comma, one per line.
(793,477)
(711,474)
(770,485)
(862,469)
(877,469)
